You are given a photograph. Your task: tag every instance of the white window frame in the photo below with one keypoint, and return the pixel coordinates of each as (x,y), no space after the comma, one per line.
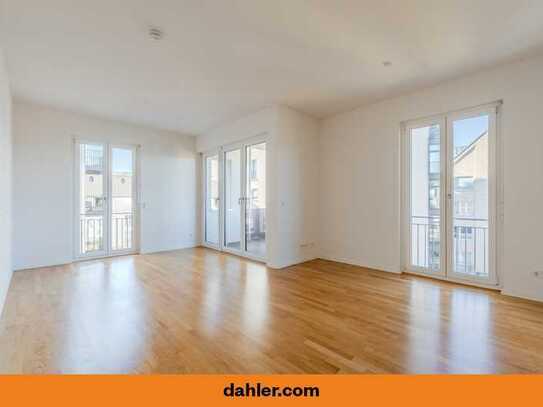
(136,185)
(214,152)
(406,230)
(492,112)
(496,202)
(222,150)
(135,198)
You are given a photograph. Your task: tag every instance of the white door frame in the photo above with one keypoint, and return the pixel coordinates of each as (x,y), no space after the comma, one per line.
(135,199)
(249,143)
(221,151)
(215,152)
(446,205)
(136,192)
(491,111)
(406,145)
(225,150)
(77,203)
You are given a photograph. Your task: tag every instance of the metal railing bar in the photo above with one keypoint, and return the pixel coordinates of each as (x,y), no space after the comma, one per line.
(475,250)
(418,246)
(426,247)
(484,246)
(465,250)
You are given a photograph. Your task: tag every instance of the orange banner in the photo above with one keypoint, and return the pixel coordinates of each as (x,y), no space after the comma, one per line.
(318,390)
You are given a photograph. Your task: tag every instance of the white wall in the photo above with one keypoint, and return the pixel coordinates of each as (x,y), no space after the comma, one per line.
(291,185)
(43,183)
(252,125)
(296,195)
(5,183)
(342,187)
(360,172)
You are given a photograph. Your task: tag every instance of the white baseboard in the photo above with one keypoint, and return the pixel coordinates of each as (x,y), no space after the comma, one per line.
(4,287)
(513,293)
(190,245)
(59,263)
(352,262)
(33,266)
(291,263)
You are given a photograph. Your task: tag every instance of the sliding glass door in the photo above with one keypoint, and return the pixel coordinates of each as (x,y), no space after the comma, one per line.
(255,200)
(472,192)
(451,196)
(212,200)
(122,184)
(233,200)
(238,176)
(425,179)
(106,211)
(91,220)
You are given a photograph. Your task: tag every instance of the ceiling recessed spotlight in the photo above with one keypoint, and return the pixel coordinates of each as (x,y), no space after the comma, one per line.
(155,33)
(387,63)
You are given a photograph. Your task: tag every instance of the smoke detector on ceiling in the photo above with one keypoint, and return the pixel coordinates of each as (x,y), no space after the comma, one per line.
(155,33)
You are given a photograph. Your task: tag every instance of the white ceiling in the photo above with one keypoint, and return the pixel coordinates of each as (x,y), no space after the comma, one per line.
(222,59)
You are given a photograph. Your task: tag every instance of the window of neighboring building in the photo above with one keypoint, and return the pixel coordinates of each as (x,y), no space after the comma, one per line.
(434,162)
(434,194)
(464,207)
(463,182)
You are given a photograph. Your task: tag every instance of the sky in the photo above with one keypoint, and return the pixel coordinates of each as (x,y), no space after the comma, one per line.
(121,160)
(467,130)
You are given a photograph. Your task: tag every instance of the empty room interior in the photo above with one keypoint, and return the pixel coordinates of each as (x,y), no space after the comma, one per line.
(268,187)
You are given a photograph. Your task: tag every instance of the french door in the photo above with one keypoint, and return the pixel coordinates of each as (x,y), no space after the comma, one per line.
(105,193)
(451,196)
(237,222)
(212,225)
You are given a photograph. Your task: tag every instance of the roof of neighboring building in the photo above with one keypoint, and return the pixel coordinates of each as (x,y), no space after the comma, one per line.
(470,147)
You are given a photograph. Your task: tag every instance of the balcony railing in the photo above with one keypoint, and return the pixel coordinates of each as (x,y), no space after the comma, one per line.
(425,248)
(92,232)
(256,222)
(91,229)
(121,231)
(470,244)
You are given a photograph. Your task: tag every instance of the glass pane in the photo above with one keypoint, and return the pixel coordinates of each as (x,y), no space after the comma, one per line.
(255,215)
(212,200)
(232,195)
(122,210)
(425,197)
(91,199)
(470,196)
